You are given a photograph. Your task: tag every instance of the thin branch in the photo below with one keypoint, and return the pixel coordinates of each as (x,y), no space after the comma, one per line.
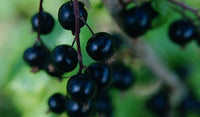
(77,32)
(186,7)
(39,23)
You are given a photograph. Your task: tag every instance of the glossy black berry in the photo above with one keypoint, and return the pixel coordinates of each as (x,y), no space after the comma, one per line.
(46,23)
(136,21)
(104,105)
(49,68)
(64,58)
(57,103)
(158,104)
(147,7)
(101,46)
(100,73)
(35,56)
(80,88)
(76,109)
(181,32)
(66,15)
(123,79)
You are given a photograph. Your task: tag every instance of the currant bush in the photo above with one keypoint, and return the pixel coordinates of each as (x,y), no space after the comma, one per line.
(103,73)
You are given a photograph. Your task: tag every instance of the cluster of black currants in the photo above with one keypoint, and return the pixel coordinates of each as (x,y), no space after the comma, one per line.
(88,93)
(136,21)
(88,90)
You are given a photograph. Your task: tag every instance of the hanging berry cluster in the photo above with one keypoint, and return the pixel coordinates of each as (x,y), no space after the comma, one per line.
(137,20)
(87,91)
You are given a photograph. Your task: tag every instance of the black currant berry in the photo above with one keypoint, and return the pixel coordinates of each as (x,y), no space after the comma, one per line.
(123,79)
(76,109)
(136,21)
(46,23)
(64,58)
(80,88)
(181,32)
(101,46)
(66,15)
(104,105)
(49,68)
(100,73)
(147,7)
(158,104)
(57,103)
(35,56)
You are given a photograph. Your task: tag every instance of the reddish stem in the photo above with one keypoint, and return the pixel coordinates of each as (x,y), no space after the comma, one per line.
(39,23)
(77,32)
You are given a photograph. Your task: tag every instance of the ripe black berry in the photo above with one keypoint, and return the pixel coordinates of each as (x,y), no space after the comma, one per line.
(76,109)
(101,46)
(101,74)
(57,103)
(181,32)
(80,88)
(136,22)
(64,58)
(35,56)
(46,23)
(66,15)
(123,79)
(159,104)
(49,68)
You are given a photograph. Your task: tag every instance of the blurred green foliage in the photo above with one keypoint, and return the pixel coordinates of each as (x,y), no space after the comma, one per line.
(24,94)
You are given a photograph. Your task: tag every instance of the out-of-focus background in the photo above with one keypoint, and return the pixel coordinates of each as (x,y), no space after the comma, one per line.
(24,94)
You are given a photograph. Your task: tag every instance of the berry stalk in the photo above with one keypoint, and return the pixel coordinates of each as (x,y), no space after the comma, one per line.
(77,32)
(39,23)
(82,19)
(186,7)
